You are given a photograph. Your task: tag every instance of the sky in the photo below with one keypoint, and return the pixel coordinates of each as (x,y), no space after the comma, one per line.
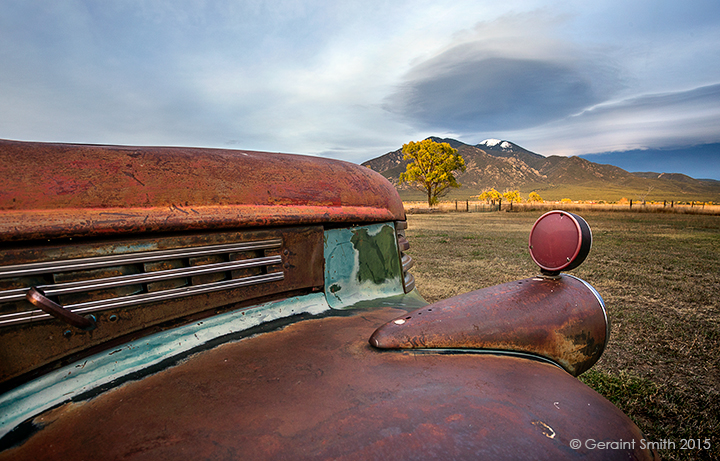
(356,79)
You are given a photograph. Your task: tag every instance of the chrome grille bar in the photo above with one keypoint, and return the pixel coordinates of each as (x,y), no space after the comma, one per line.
(405,260)
(104,304)
(407,263)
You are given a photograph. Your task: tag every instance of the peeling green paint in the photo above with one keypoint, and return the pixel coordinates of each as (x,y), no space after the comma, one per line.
(378,254)
(361,263)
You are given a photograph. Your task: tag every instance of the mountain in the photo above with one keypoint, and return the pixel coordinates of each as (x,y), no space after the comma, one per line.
(506,149)
(503,165)
(697,161)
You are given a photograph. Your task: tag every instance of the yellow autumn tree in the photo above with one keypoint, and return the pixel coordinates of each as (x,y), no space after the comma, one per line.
(492,196)
(432,167)
(535,197)
(512,196)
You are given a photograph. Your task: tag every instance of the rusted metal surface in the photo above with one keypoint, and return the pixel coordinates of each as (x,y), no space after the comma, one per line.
(26,347)
(317,390)
(85,190)
(561,319)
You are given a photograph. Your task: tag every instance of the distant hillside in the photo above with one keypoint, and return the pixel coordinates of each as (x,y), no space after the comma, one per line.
(503,165)
(699,161)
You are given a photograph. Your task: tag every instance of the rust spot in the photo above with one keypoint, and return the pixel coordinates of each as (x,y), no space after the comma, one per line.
(546,430)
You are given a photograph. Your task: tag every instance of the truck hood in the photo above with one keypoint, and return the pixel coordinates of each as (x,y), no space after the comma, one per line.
(93,190)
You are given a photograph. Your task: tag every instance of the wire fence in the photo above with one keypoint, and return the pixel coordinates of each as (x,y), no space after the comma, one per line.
(470,206)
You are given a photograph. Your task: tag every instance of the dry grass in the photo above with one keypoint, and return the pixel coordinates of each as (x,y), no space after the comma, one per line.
(660,277)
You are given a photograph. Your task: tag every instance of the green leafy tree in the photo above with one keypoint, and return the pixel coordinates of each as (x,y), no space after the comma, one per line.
(535,197)
(432,167)
(512,196)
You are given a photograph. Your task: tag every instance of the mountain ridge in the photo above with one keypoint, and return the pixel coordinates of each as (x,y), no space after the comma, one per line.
(503,165)
(699,161)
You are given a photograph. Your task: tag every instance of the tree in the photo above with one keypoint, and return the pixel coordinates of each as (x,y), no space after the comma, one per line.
(432,167)
(512,196)
(491,196)
(535,197)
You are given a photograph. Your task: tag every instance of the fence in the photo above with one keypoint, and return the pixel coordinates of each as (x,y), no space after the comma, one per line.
(470,206)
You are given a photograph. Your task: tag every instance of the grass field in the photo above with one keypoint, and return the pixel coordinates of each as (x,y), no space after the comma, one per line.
(659,275)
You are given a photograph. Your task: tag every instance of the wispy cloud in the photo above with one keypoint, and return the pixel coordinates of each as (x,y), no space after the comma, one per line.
(681,118)
(357,79)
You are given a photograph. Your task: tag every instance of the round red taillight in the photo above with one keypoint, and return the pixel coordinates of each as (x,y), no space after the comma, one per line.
(559,241)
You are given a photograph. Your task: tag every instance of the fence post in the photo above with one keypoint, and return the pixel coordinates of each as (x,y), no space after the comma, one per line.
(630,203)
(467,206)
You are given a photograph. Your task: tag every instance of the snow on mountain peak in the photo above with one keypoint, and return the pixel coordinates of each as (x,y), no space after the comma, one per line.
(491,142)
(504,145)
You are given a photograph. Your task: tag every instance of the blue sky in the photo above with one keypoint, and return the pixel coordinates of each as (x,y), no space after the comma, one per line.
(354,80)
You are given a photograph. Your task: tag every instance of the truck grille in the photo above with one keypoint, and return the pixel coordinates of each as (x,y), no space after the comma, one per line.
(87,285)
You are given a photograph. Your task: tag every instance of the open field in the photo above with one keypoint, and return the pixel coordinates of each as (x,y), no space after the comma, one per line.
(660,277)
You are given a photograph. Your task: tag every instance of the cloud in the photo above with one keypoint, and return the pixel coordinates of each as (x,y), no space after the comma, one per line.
(510,73)
(492,93)
(347,79)
(679,118)
(291,76)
